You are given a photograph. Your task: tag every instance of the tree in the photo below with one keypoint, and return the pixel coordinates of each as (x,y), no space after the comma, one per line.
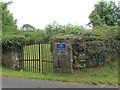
(8,22)
(27,27)
(104,13)
(54,29)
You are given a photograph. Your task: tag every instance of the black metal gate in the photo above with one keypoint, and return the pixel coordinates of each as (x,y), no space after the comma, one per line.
(37,57)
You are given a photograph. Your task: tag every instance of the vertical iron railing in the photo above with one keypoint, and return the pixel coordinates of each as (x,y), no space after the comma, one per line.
(36,57)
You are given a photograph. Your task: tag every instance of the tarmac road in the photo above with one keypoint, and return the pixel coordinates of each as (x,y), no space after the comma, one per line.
(11,82)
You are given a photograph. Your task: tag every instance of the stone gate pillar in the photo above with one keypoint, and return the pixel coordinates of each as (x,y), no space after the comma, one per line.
(10,59)
(62,56)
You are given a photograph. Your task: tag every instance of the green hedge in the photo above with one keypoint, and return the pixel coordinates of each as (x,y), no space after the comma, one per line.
(101,33)
(12,42)
(100,45)
(98,52)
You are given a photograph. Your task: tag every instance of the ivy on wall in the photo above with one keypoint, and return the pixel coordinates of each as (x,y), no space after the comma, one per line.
(12,43)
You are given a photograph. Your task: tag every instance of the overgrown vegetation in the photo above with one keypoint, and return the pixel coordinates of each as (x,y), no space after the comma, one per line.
(13,43)
(8,22)
(98,76)
(94,53)
(104,13)
(13,39)
(103,19)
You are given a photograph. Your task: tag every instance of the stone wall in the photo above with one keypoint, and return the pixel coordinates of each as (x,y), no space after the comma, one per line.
(94,53)
(62,61)
(87,53)
(10,60)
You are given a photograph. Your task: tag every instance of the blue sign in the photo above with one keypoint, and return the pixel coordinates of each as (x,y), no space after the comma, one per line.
(61,47)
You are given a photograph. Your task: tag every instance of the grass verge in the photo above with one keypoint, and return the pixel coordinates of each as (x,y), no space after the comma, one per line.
(107,75)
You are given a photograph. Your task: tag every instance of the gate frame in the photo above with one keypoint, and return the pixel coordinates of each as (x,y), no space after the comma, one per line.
(41,61)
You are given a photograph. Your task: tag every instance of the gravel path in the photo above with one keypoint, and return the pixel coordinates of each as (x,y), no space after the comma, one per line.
(11,82)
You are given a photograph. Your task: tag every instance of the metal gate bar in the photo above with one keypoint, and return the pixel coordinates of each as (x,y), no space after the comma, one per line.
(36,57)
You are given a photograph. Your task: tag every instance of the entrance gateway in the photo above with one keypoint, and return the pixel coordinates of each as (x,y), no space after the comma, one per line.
(47,57)
(37,57)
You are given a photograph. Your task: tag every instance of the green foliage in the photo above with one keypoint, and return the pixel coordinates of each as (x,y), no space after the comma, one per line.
(53,29)
(56,29)
(101,33)
(8,22)
(106,32)
(36,35)
(27,27)
(95,19)
(100,75)
(104,13)
(12,42)
(74,29)
(98,52)
(100,44)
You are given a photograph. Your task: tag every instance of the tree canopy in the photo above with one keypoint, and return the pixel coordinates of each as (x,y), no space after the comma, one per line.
(8,22)
(27,27)
(104,13)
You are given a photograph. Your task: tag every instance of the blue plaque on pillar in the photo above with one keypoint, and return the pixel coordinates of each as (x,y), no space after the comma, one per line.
(61,47)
